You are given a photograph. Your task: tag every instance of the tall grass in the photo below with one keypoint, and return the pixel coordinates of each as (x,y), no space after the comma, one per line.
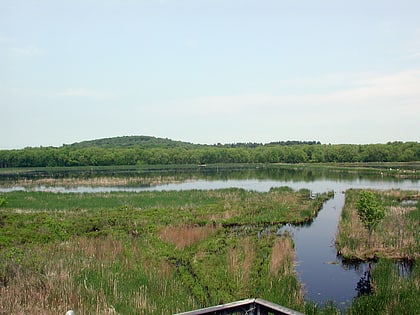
(185,235)
(91,276)
(393,294)
(94,181)
(396,236)
(282,257)
(146,253)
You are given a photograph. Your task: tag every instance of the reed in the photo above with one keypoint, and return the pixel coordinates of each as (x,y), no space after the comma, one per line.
(394,294)
(397,236)
(146,253)
(282,257)
(185,235)
(278,280)
(91,276)
(240,259)
(101,181)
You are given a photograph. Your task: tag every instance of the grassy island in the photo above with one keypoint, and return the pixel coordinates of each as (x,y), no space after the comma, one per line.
(394,242)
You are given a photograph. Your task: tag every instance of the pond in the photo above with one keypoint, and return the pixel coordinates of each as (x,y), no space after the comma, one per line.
(324,276)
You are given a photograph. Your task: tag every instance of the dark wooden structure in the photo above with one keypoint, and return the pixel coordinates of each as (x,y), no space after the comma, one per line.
(245,307)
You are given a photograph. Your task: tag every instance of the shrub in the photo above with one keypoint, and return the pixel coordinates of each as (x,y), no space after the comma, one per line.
(370,210)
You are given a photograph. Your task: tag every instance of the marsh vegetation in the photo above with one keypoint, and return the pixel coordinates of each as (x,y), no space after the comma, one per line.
(150,252)
(396,237)
(161,252)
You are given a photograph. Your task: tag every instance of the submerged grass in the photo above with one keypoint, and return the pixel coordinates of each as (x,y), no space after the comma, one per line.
(149,252)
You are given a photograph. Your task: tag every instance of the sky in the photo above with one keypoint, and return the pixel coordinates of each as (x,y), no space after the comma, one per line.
(209,71)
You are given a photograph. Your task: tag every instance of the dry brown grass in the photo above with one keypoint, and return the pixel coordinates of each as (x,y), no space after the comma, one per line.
(28,292)
(230,206)
(240,259)
(282,256)
(142,301)
(186,235)
(225,215)
(105,250)
(394,237)
(286,198)
(105,181)
(44,283)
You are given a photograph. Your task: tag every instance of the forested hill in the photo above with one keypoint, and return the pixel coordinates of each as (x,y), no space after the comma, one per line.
(154,142)
(144,150)
(133,141)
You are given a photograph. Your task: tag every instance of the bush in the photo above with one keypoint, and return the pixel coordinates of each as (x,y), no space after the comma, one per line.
(370,210)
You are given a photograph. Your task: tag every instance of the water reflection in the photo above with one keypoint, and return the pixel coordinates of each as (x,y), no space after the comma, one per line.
(405,267)
(137,178)
(364,285)
(318,267)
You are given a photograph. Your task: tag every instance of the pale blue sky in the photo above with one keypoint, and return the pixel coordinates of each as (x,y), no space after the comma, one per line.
(209,71)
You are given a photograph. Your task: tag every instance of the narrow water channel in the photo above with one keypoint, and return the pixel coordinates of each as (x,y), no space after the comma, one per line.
(323,275)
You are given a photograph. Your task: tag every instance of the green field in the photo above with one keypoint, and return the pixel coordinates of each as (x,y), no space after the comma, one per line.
(167,252)
(150,252)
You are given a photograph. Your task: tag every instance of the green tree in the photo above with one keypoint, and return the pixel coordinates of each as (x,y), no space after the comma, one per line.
(370,211)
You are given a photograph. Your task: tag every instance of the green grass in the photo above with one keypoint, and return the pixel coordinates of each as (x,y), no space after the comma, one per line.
(167,252)
(92,276)
(147,253)
(393,294)
(396,236)
(34,217)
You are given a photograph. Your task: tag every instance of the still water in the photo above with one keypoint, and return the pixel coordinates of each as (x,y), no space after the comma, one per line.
(324,276)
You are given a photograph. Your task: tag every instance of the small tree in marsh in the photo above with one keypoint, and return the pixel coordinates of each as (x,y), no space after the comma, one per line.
(370,211)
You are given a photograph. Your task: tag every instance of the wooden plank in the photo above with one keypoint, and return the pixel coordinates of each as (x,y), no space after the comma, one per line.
(247,306)
(266,306)
(228,308)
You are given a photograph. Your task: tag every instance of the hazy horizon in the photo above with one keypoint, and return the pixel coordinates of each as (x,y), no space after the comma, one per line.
(209,72)
(211,144)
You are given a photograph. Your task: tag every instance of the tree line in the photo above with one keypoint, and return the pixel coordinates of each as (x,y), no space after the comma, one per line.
(271,153)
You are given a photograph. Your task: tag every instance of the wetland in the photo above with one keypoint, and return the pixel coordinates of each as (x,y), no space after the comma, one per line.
(201,237)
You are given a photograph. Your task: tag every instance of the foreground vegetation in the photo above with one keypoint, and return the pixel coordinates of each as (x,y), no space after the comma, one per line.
(393,293)
(397,236)
(154,151)
(150,252)
(167,252)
